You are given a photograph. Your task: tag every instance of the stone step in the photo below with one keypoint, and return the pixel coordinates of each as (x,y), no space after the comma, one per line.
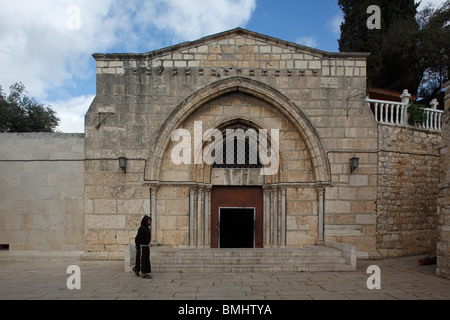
(312,258)
(280,252)
(245,261)
(251,268)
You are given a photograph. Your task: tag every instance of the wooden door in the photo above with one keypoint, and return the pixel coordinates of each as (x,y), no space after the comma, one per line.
(237,197)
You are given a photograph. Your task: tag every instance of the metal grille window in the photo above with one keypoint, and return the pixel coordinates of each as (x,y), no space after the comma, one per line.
(239,150)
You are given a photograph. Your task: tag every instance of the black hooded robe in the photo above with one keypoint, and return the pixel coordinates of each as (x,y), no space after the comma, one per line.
(142,242)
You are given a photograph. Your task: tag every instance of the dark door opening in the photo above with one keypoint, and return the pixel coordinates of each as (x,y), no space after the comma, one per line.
(237,227)
(237,197)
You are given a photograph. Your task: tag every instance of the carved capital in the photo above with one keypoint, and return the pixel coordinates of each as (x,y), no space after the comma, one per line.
(154,188)
(321,189)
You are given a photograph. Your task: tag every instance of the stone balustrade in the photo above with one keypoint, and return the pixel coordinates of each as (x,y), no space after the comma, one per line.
(434,120)
(396,113)
(388,112)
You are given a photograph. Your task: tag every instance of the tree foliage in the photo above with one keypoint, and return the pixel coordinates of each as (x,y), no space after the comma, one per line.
(410,51)
(19,113)
(416,113)
(434,49)
(391,47)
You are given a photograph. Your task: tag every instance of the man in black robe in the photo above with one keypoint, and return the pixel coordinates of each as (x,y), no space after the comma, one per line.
(142,242)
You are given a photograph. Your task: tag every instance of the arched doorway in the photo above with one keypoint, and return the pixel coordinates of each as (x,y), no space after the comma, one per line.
(237,219)
(244,103)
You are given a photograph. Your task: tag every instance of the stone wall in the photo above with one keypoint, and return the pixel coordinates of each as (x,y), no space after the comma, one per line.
(42,193)
(350,205)
(408,177)
(443,244)
(115,203)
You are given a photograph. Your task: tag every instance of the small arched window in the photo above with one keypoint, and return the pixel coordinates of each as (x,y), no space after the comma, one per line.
(239,150)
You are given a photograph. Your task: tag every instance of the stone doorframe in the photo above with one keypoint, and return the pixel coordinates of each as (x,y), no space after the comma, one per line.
(274,214)
(237,196)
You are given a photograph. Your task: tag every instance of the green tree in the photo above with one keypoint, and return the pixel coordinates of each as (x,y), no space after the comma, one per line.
(434,51)
(392,63)
(19,113)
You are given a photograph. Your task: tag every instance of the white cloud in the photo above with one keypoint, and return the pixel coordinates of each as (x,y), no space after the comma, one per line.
(308,41)
(71,112)
(434,3)
(39,48)
(191,19)
(334,24)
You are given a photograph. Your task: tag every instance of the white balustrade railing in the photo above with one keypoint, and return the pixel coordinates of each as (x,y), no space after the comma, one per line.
(396,113)
(434,120)
(388,112)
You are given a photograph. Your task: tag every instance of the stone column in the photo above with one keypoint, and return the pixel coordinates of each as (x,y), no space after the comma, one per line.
(283,218)
(405,96)
(191,216)
(275,217)
(153,189)
(321,239)
(267,216)
(199,217)
(207,237)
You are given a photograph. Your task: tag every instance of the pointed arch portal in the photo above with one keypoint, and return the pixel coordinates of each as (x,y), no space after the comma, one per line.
(270,209)
(252,87)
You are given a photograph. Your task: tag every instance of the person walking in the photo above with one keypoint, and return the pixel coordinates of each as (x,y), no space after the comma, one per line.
(142,241)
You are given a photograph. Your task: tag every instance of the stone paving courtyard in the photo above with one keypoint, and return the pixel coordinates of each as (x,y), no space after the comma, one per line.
(401,279)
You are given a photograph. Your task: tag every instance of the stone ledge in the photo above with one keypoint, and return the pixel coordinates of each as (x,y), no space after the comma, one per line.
(348,251)
(129,257)
(100,255)
(41,255)
(41,135)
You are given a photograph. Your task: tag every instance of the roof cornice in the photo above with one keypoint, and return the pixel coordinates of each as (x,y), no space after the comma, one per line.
(224,35)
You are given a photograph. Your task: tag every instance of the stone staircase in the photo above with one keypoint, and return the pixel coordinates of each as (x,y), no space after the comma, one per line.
(308,259)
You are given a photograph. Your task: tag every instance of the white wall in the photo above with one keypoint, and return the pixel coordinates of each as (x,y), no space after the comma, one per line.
(42,192)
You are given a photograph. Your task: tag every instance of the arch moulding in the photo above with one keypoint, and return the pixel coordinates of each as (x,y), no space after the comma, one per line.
(248,86)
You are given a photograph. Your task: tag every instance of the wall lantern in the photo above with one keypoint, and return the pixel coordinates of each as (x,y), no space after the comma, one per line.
(354,163)
(123,163)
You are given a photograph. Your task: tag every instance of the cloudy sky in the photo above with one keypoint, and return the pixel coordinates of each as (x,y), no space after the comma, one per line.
(48,44)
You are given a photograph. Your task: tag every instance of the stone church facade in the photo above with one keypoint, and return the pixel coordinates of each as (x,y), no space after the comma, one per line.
(68,193)
(233,80)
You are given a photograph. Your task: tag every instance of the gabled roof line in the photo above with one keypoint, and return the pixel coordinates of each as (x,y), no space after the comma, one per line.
(223,35)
